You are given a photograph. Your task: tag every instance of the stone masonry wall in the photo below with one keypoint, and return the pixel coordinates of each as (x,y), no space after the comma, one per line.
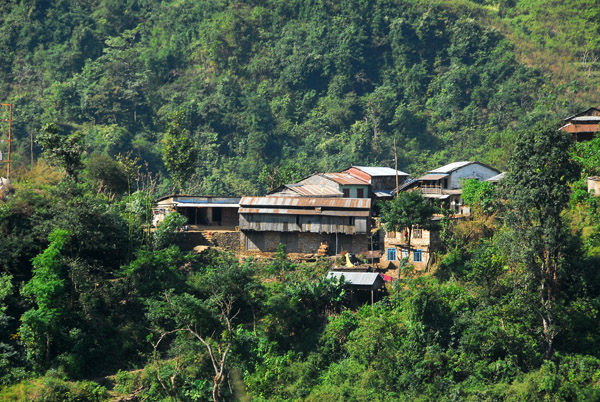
(228,240)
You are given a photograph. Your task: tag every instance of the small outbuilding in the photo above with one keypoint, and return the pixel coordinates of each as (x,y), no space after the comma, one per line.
(371,282)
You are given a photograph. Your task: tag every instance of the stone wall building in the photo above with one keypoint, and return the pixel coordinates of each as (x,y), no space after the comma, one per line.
(302,224)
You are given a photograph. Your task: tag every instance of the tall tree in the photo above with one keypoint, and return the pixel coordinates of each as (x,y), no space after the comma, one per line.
(179,152)
(537,189)
(408,209)
(64,150)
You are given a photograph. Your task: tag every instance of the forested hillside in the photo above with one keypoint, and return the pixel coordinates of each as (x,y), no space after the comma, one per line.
(285,88)
(129,100)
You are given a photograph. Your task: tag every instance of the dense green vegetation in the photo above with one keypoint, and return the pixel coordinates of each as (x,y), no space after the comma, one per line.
(129,100)
(95,307)
(285,88)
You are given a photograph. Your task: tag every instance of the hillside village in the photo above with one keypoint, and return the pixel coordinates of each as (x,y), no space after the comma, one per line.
(329,214)
(335,213)
(299,200)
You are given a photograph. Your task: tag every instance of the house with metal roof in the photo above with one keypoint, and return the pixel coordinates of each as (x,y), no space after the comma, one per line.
(584,126)
(445,183)
(303,224)
(325,185)
(382,180)
(201,212)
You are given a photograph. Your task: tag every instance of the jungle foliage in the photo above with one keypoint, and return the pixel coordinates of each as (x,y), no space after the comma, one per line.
(125,101)
(256,94)
(508,312)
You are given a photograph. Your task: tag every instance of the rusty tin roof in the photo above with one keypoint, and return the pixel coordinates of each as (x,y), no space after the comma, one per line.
(311,202)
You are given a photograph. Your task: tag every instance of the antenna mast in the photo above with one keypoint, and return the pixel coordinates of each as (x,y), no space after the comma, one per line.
(5,143)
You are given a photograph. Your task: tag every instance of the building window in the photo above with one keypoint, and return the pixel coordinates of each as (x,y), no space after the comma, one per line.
(404,253)
(418,256)
(391,254)
(417,233)
(360,193)
(346,192)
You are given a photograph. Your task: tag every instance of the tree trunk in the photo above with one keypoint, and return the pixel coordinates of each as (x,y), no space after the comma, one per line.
(216,393)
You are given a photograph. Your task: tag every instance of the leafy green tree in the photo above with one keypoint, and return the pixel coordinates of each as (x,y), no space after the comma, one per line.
(537,189)
(479,195)
(407,210)
(210,317)
(179,151)
(64,150)
(106,175)
(165,234)
(41,325)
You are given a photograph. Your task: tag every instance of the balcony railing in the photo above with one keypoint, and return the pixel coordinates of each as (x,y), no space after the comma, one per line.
(431,190)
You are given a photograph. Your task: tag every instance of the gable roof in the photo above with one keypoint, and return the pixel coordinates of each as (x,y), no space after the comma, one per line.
(358,278)
(379,171)
(451,167)
(344,179)
(304,190)
(584,113)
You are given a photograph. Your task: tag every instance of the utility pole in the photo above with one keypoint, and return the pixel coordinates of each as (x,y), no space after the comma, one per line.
(6,119)
(396,165)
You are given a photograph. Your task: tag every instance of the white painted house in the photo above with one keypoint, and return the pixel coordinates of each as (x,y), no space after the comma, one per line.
(445,183)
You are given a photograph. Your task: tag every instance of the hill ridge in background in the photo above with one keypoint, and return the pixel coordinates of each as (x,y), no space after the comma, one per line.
(288,88)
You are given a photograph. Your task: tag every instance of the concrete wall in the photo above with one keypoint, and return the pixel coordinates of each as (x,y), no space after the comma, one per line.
(472,171)
(594,186)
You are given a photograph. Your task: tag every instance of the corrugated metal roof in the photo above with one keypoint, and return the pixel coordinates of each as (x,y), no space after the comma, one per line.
(451,167)
(584,119)
(203,205)
(357,278)
(272,201)
(182,197)
(314,190)
(379,171)
(295,211)
(594,178)
(345,179)
(497,178)
(590,111)
(382,193)
(433,177)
